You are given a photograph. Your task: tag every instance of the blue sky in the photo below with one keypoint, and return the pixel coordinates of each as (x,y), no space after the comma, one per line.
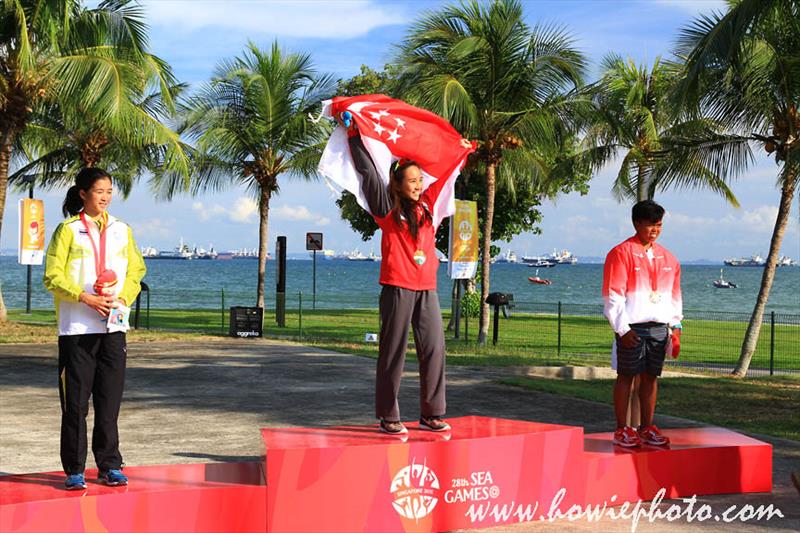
(194,35)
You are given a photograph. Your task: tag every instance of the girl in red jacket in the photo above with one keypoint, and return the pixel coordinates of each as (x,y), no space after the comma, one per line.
(403,211)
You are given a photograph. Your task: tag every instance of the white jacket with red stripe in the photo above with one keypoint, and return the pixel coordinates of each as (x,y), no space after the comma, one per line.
(637,289)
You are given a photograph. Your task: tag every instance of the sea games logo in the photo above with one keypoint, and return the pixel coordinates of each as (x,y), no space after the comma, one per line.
(415,490)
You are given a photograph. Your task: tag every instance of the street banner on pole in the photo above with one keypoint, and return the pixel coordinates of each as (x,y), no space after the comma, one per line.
(464,237)
(31,232)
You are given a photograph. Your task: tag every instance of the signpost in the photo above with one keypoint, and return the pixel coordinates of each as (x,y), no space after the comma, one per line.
(314,243)
(463,249)
(31,236)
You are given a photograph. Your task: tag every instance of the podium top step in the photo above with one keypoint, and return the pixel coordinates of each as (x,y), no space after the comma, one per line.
(24,488)
(463,428)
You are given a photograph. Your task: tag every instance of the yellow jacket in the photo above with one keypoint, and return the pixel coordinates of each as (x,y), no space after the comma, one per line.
(70,270)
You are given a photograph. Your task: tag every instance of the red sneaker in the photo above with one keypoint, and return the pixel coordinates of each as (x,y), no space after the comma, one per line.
(626,437)
(653,436)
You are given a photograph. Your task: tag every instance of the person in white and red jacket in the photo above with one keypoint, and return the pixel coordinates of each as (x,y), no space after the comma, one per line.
(404,212)
(643,304)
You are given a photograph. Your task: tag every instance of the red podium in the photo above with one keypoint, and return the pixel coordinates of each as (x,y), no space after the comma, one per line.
(485,472)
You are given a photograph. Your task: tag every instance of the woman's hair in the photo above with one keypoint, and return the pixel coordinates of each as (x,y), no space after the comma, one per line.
(83,182)
(402,205)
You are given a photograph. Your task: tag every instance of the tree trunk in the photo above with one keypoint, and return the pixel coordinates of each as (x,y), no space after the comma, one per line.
(263,244)
(6,142)
(754,328)
(486,253)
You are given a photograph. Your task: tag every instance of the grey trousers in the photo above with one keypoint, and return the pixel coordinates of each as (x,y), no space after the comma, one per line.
(401,308)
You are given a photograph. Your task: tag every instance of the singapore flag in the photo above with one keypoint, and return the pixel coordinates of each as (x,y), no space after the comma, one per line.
(392,129)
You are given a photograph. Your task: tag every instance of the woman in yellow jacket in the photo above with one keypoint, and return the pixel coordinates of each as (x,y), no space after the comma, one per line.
(93,266)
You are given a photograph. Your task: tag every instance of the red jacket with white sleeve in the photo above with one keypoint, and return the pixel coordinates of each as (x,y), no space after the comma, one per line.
(638,289)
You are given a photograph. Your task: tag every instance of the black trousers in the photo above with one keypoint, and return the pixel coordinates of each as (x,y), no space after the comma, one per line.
(90,365)
(400,309)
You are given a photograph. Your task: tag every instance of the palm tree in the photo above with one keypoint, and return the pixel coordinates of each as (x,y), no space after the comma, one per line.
(500,82)
(55,52)
(58,142)
(632,113)
(249,125)
(742,69)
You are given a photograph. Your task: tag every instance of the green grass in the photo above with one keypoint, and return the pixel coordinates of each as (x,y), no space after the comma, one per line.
(525,339)
(766,406)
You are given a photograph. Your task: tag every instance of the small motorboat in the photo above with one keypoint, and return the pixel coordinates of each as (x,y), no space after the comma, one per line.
(536,279)
(721,283)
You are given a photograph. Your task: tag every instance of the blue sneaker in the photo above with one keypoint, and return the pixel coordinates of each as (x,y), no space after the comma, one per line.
(112,477)
(75,482)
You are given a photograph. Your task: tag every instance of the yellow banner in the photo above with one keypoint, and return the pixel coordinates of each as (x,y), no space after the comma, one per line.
(464,237)
(31,232)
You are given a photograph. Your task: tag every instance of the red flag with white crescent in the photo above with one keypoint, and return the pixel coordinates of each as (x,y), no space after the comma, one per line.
(392,129)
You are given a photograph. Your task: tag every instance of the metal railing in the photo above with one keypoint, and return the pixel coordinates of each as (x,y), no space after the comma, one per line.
(563,333)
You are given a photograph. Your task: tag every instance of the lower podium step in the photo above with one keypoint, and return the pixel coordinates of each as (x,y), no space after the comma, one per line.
(170,498)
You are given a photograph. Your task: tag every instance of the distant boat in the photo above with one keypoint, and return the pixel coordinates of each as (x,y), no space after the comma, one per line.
(356,255)
(508,257)
(539,262)
(181,251)
(786,261)
(754,260)
(539,281)
(564,257)
(245,253)
(325,255)
(241,253)
(202,253)
(721,283)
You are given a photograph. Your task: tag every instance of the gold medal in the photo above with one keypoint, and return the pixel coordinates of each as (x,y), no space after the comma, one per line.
(419,257)
(655,297)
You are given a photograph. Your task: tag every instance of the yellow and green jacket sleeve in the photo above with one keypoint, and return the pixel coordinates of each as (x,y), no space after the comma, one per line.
(135,273)
(56,278)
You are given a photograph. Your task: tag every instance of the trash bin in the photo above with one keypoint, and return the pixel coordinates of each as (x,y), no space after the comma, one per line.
(246,322)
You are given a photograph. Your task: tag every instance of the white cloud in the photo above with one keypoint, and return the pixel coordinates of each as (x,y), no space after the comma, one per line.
(759,220)
(152,229)
(298,213)
(204,213)
(317,19)
(244,210)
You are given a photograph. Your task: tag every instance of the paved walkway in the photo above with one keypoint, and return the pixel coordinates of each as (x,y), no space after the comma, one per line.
(199,402)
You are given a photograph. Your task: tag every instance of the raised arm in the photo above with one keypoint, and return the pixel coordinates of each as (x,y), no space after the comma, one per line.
(372,185)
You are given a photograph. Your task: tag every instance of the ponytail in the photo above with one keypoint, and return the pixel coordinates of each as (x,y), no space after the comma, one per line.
(84,180)
(72,202)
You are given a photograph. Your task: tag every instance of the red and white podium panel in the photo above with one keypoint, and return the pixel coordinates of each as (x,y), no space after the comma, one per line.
(483,473)
(356,479)
(486,472)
